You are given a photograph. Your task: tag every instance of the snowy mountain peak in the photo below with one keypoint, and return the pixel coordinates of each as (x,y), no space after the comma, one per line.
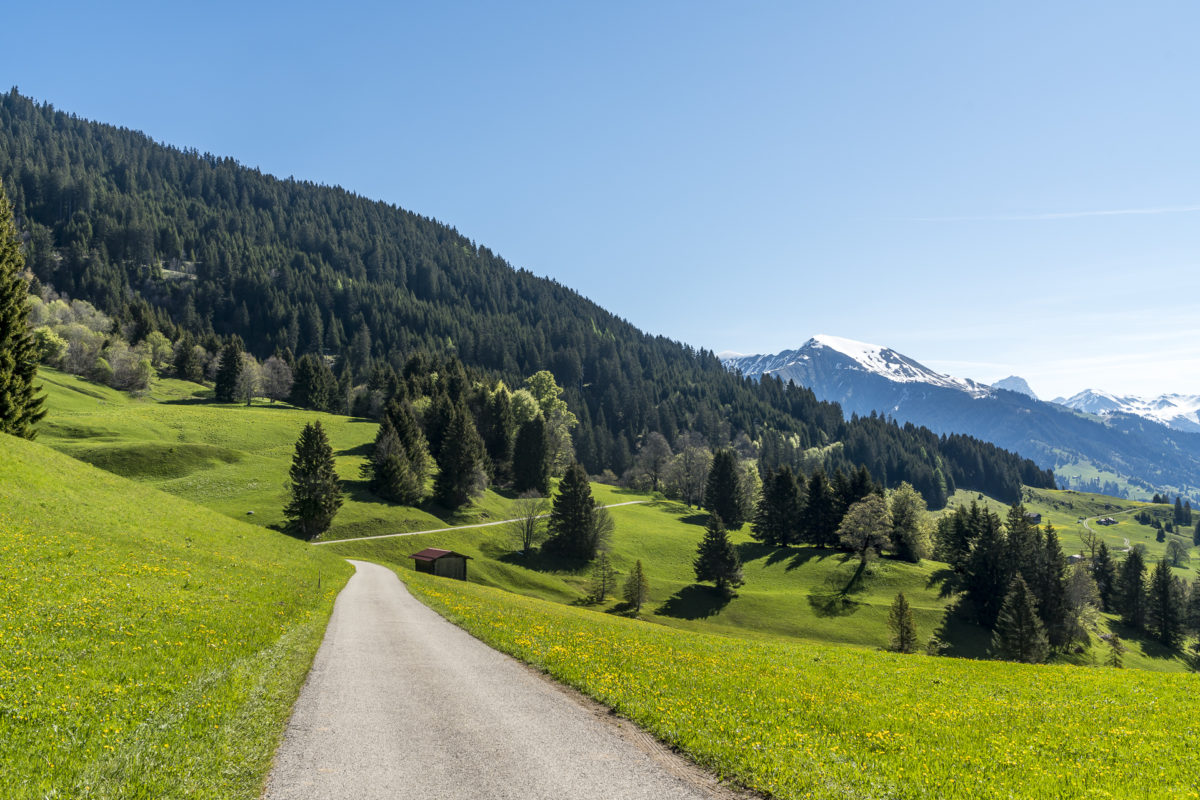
(1179,411)
(849,354)
(894,366)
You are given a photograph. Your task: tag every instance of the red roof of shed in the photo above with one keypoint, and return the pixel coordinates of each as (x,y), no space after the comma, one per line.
(434,553)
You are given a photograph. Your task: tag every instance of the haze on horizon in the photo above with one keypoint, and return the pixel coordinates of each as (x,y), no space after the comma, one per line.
(990,190)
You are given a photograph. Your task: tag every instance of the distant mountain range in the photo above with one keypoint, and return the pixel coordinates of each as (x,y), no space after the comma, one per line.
(1178,411)
(1128,446)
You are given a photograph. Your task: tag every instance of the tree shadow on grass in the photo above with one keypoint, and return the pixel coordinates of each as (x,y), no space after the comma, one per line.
(363,449)
(695,519)
(947,581)
(835,597)
(538,561)
(960,635)
(695,602)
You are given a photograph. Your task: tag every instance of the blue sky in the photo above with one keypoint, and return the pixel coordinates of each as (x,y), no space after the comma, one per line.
(937,177)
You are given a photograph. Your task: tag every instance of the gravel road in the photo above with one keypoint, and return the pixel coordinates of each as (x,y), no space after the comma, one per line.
(402,704)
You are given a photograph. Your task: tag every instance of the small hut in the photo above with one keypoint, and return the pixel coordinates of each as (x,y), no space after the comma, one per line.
(446,563)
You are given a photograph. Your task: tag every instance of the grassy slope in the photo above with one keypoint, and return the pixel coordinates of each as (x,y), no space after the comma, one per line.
(805,720)
(230,458)
(148,647)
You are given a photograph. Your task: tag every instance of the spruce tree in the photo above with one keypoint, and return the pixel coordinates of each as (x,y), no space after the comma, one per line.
(460,460)
(226,387)
(573,518)
(1192,618)
(1165,606)
(900,622)
(388,469)
(988,571)
(1116,651)
(1019,634)
(722,495)
(777,517)
(531,458)
(20,405)
(315,493)
(716,558)
(1052,594)
(313,384)
(1104,571)
(1131,590)
(820,516)
(412,439)
(637,587)
(604,578)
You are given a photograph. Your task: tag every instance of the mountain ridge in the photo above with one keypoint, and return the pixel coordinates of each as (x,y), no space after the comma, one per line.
(872,379)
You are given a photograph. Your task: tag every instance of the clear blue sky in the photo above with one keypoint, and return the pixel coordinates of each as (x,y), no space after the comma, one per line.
(740,176)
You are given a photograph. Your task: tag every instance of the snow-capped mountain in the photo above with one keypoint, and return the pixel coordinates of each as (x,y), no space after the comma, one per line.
(865,379)
(1178,411)
(824,351)
(1016,384)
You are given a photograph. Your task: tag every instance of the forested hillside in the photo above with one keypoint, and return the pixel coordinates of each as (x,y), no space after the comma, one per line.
(202,249)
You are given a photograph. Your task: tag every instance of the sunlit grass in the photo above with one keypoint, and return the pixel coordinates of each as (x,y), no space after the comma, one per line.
(804,720)
(148,647)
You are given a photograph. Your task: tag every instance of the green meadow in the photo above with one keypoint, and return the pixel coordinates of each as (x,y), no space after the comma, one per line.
(231,458)
(799,719)
(149,647)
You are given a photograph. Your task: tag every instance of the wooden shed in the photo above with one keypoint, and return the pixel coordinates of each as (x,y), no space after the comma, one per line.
(446,563)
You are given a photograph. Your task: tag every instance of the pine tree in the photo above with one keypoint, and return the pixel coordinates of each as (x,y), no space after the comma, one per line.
(604,578)
(1192,618)
(989,570)
(1131,590)
(722,494)
(820,516)
(637,587)
(497,430)
(1116,651)
(531,458)
(900,622)
(1052,594)
(777,517)
(412,439)
(1019,634)
(226,387)
(20,405)
(315,494)
(1104,571)
(716,558)
(389,471)
(461,474)
(313,384)
(573,518)
(1165,605)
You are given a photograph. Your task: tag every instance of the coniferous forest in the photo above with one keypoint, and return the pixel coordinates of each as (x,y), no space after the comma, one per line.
(206,253)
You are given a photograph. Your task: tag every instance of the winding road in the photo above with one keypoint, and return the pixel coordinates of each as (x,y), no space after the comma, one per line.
(1101,516)
(402,703)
